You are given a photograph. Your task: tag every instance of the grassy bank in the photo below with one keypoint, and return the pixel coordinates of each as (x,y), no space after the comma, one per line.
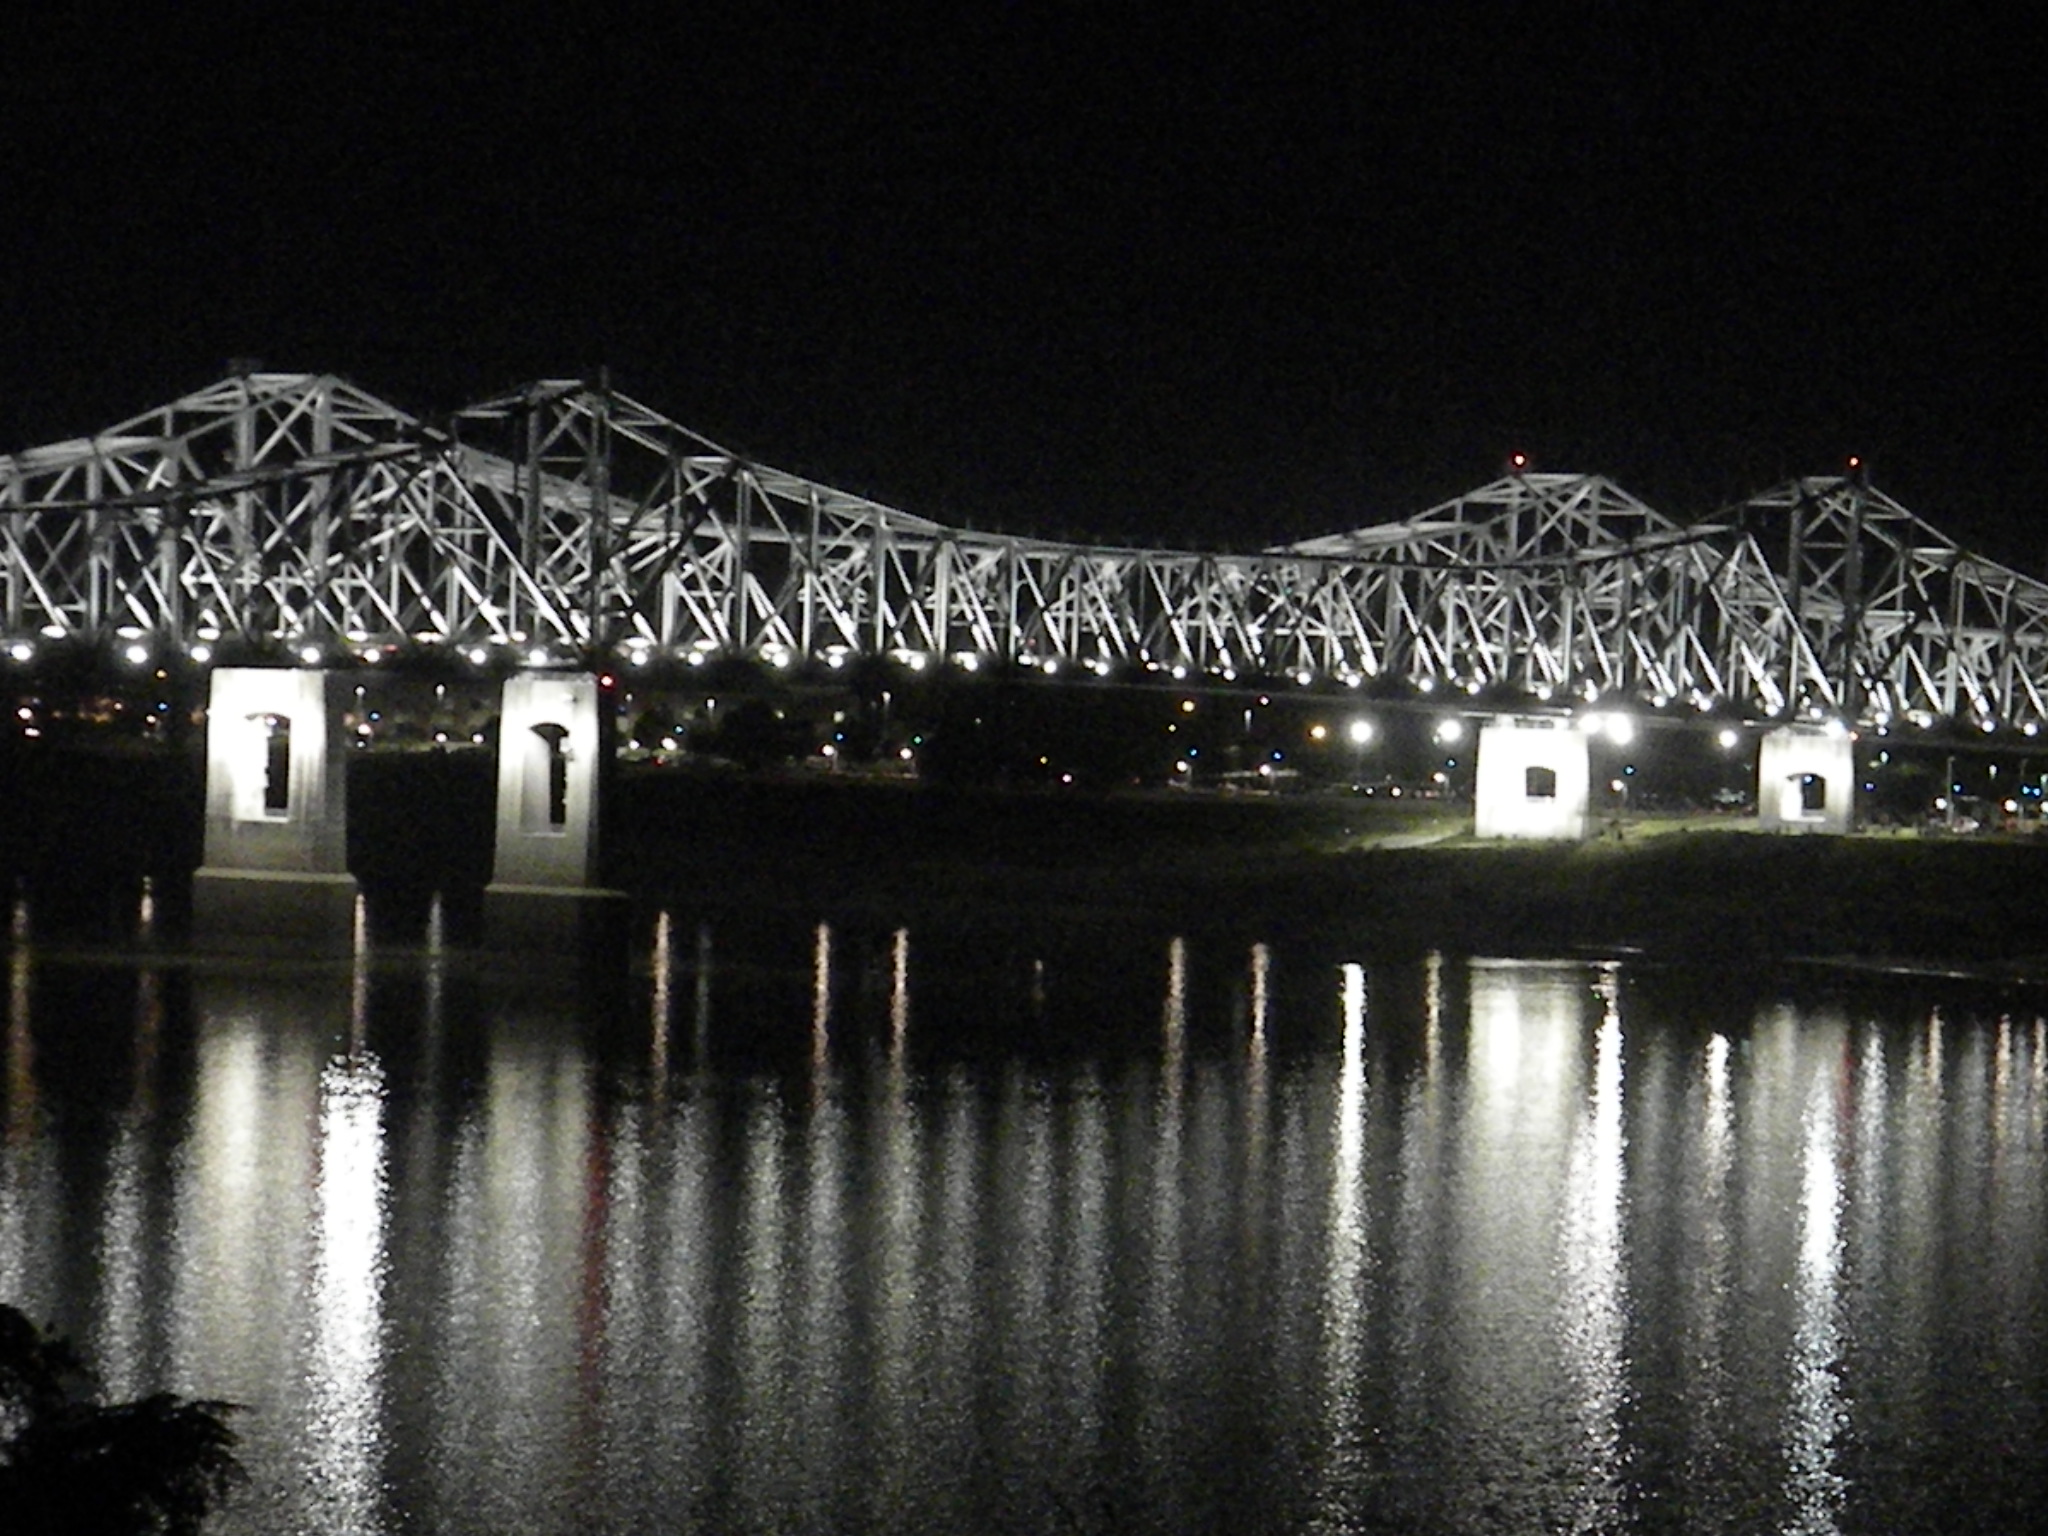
(1372,874)
(1336,870)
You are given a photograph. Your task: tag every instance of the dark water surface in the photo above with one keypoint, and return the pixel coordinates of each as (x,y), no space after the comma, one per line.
(825,1229)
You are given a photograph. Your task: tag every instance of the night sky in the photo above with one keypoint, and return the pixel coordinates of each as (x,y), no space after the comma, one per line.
(1100,272)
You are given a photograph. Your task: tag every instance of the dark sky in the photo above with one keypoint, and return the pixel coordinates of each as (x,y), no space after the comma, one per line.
(1106,271)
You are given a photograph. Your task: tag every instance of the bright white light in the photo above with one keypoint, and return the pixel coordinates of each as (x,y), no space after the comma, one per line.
(2012,807)
(1616,785)
(1450,730)
(915,661)
(478,656)
(828,750)
(1179,673)
(373,655)
(1427,685)
(1836,729)
(637,658)
(967,661)
(1304,677)
(21,650)
(1988,726)
(537,657)
(137,654)
(1729,738)
(310,655)
(1318,732)
(1051,667)
(1621,729)
(1179,766)
(904,753)
(201,654)
(53,632)
(1360,732)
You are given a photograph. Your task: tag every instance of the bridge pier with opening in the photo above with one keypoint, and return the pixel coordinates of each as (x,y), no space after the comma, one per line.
(1532,779)
(276,860)
(1805,779)
(545,896)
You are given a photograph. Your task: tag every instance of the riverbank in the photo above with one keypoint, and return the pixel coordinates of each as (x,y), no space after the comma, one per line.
(1349,872)
(1340,871)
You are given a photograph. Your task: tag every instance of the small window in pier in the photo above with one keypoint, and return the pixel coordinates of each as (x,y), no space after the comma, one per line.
(553,782)
(1540,783)
(1813,793)
(277,765)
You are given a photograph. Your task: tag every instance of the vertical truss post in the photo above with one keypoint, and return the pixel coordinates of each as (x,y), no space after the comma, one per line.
(742,540)
(530,493)
(878,565)
(322,507)
(1851,685)
(597,475)
(808,604)
(96,554)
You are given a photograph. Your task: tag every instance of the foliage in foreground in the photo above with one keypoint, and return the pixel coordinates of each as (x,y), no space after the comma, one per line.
(73,1465)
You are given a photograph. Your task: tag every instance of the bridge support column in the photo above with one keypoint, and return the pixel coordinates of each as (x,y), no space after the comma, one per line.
(1805,779)
(275,875)
(1531,779)
(544,897)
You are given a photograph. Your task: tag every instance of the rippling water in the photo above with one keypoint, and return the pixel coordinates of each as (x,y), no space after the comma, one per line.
(834,1230)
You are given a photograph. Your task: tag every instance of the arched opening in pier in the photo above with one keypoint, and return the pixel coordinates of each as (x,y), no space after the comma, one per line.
(277,764)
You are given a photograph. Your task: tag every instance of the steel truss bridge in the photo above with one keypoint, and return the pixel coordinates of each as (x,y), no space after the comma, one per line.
(297,514)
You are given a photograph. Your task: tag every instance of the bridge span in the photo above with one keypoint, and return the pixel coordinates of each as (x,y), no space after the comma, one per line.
(296,518)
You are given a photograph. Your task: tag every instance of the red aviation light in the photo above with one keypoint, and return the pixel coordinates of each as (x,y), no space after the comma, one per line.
(1518,463)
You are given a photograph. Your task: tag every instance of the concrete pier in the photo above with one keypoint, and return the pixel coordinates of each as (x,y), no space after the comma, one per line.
(275,876)
(1532,779)
(1806,779)
(545,898)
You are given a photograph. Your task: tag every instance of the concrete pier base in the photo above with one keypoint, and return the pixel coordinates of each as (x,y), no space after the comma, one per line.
(274,912)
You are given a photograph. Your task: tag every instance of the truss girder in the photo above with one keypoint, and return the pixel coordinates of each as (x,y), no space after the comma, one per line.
(298,509)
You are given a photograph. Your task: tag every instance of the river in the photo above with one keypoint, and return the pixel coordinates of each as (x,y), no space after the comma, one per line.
(862,1228)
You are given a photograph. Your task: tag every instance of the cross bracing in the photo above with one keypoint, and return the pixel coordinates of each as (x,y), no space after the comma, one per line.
(297,511)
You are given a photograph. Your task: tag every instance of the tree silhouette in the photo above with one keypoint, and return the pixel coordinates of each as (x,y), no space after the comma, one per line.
(73,1465)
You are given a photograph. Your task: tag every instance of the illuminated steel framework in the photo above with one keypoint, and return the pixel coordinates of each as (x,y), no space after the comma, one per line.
(296,510)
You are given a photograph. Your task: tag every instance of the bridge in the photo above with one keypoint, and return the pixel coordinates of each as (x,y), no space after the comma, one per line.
(296,517)
(275,531)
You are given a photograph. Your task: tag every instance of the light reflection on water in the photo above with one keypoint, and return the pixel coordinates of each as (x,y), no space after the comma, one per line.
(898,1237)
